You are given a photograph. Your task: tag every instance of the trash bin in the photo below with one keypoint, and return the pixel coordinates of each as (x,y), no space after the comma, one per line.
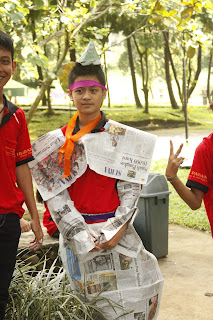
(151,223)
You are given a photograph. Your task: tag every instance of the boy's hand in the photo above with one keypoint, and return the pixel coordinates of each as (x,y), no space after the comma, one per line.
(174,161)
(25,225)
(96,243)
(37,230)
(112,243)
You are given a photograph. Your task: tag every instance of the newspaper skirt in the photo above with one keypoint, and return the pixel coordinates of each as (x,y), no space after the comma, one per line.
(127,276)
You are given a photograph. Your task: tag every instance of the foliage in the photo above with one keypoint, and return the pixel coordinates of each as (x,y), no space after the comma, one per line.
(179,212)
(64,75)
(47,294)
(52,29)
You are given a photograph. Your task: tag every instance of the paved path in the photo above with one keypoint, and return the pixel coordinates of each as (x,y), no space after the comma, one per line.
(187,271)
(188,275)
(162,146)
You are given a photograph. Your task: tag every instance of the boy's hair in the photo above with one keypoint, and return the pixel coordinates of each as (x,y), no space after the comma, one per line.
(90,70)
(6,43)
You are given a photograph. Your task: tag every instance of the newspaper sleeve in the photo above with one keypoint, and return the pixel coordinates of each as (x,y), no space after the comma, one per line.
(70,223)
(120,152)
(128,194)
(78,235)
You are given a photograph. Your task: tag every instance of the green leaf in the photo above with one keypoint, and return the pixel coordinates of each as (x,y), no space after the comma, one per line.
(187,11)
(39,3)
(190,52)
(93,3)
(208,5)
(16,16)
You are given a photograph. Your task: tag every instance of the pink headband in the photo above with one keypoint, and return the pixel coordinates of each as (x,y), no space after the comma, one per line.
(85,83)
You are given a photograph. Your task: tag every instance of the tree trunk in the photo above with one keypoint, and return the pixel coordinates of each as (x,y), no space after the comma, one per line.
(107,83)
(50,110)
(39,69)
(166,39)
(209,93)
(197,73)
(47,83)
(39,97)
(146,89)
(132,68)
(168,77)
(144,74)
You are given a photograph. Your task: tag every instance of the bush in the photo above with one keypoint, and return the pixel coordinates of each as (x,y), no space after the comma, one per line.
(46,294)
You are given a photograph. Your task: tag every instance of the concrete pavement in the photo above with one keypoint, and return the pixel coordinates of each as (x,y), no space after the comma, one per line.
(188,274)
(177,135)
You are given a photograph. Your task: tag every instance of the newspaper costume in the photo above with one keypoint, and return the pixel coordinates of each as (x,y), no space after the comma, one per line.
(128,274)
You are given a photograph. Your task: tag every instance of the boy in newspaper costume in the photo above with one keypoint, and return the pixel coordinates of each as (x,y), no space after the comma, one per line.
(94,202)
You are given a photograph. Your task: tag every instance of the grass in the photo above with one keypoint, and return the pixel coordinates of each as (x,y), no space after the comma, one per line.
(159,117)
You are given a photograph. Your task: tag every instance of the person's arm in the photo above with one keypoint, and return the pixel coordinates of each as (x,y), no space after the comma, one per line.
(25,225)
(112,243)
(193,197)
(24,182)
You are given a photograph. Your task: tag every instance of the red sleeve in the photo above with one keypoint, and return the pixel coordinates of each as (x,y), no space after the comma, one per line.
(201,167)
(48,222)
(23,147)
(63,129)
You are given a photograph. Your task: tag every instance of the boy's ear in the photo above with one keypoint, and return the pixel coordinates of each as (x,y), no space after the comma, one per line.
(104,94)
(70,95)
(13,66)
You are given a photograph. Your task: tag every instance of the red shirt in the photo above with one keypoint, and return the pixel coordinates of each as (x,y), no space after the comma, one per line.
(15,150)
(201,174)
(93,193)
(48,222)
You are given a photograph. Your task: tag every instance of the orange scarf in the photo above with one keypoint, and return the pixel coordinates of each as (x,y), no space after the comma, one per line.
(68,146)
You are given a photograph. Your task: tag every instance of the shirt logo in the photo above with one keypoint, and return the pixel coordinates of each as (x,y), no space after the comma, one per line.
(22,154)
(10,152)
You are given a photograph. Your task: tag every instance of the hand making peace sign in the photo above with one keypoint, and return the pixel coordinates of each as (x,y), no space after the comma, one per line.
(174,162)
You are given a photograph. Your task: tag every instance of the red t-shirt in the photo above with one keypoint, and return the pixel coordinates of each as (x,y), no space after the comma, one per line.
(201,174)
(93,193)
(15,150)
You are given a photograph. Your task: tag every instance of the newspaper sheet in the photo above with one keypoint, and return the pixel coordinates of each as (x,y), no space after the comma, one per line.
(120,152)
(129,160)
(133,283)
(45,169)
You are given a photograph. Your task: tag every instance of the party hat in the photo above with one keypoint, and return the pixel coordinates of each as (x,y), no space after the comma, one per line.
(89,56)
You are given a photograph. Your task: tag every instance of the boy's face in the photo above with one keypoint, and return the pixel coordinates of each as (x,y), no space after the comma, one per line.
(88,100)
(7,67)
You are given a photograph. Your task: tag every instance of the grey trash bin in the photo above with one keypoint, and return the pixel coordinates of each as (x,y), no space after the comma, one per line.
(151,223)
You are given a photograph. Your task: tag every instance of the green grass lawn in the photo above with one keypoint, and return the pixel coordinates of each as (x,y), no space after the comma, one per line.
(159,117)
(199,117)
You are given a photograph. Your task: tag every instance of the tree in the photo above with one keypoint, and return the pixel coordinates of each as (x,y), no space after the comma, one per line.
(132,68)
(65,25)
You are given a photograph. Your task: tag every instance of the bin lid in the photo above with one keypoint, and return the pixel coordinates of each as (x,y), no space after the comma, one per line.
(156,184)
